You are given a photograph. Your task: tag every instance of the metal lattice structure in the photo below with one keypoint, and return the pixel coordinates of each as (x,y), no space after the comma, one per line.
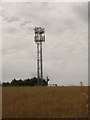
(39,38)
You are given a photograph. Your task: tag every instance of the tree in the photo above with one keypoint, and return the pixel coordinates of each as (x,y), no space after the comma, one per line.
(27,82)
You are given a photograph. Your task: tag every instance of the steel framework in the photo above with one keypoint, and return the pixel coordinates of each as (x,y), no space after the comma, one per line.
(39,38)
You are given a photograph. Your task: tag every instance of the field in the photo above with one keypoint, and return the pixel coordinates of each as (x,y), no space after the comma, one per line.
(0,102)
(44,102)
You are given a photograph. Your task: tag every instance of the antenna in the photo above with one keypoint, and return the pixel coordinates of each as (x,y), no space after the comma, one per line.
(39,38)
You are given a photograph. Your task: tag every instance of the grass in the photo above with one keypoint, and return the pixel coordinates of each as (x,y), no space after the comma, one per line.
(43,102)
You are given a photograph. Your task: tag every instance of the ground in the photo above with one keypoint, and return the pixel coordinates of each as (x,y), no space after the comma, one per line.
(44,102)
(0,102)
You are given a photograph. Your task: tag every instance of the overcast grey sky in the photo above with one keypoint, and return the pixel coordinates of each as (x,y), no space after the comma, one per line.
(65,52)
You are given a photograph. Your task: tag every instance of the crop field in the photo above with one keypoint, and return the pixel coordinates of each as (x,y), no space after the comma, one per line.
(44,102)
(0,102)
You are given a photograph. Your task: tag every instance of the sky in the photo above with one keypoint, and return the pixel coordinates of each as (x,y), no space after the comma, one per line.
(65,51)
(44,0)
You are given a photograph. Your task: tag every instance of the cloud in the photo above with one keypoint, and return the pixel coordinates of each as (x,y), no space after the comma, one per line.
(66,47)
(11,30)
(81,10)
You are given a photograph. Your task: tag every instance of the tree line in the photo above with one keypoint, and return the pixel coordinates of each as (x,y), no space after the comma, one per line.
(27,82)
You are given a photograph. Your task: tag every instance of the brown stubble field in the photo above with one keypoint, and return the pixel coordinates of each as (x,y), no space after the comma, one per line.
(0,102)
(44,102)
